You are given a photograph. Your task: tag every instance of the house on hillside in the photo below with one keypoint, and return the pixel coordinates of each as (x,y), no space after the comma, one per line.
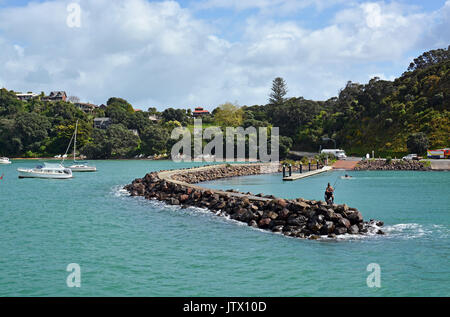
(199,112)
(153,118)
(56,96)
(102,123)
(85,107)
(26,97)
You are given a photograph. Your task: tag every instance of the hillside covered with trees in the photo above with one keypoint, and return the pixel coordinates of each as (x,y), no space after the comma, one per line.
(410,113)
(384,116)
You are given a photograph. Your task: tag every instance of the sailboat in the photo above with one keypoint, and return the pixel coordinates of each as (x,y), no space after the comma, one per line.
(78,166)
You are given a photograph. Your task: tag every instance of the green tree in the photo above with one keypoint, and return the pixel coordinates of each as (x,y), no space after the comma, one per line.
(279,90)
(10,144)
(121,103)
(31,129)
(418,143)
(228,115)
(114,142)
(172,114)
(9,104)
(121,142)
(155,139)
(285,145)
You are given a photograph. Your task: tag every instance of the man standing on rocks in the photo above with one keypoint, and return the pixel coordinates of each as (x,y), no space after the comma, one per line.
(329,196)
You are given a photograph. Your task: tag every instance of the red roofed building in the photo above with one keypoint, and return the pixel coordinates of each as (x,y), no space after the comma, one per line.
(199,111)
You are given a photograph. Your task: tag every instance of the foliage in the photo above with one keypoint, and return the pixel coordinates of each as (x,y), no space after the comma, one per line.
(430,58)
(417,143)
(279,90)
(114,142)
(228,115)
(172,114)
(285,145)
(154,140)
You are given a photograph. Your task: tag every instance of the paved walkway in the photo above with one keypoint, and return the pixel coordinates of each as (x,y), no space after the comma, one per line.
(346,165)
(167,175)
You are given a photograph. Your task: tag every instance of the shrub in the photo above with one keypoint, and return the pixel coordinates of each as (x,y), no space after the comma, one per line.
(417,143)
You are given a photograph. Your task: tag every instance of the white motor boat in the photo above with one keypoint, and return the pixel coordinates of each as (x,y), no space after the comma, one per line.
(4,160)
(47,170)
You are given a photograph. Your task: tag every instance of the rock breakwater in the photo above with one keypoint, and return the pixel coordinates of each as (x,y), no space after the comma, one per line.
(394,165)
(299,218)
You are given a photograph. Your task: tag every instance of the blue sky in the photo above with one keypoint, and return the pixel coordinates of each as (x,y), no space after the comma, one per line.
(187,53)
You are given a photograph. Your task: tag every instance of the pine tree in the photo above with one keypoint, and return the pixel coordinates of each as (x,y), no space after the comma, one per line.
(279,90)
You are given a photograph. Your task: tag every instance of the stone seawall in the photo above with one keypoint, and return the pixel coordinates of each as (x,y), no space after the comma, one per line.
(394,165)
(299,218)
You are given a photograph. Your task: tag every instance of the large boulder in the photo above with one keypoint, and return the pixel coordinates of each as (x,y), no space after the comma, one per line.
(245,215)
(354,216)
(314,226)
(284,213)
(344,223)
(340,230)
(297,220)
(264,223)
(353,229)
(183,197)
(327,228)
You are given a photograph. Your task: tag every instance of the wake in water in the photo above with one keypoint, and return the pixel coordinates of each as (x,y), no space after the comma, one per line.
(415,230)
(119,191)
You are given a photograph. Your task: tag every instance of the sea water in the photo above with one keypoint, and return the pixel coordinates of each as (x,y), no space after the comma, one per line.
(129,246)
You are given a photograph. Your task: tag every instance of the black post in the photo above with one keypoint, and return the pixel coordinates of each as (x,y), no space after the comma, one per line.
(284,171)
(301,168)
(317,164)
(290,170)
(309,166)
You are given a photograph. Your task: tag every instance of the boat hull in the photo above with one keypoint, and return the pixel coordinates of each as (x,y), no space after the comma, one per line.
(83,169)
(28,173)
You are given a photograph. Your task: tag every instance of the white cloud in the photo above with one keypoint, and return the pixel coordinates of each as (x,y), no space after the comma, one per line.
(160,54)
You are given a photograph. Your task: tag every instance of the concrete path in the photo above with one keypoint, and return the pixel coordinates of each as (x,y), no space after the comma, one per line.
(167,175)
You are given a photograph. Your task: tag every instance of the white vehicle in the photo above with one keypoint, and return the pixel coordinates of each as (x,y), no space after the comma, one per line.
(340,154)
(4,160)
(409,157)
(48,170)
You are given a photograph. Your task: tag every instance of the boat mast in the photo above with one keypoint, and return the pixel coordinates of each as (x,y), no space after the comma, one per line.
(75,142)
(68,146)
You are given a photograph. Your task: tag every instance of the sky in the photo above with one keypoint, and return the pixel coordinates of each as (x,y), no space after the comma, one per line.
(188,53)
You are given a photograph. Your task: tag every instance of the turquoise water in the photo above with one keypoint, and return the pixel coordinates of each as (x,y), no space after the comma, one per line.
(129,246)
